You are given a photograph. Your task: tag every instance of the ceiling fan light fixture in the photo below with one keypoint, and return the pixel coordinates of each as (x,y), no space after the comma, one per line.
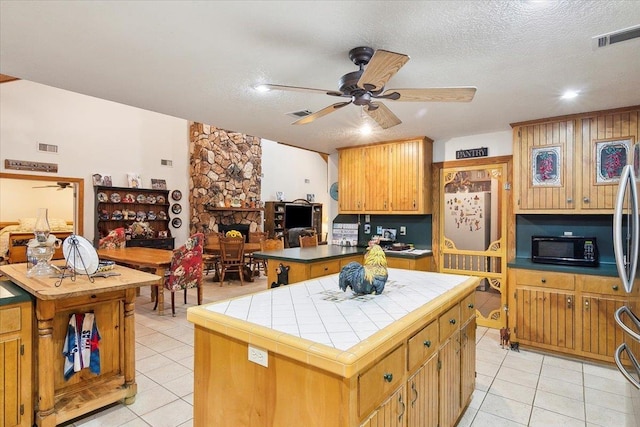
(366,129)
(262,88)
(570,94)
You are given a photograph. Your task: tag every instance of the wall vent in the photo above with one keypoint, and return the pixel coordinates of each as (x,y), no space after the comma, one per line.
(47,148)
(165,162)
(299,114)
(616,37)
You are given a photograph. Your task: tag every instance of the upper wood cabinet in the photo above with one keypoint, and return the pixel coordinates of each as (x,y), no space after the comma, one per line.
(569,164)
(387,178)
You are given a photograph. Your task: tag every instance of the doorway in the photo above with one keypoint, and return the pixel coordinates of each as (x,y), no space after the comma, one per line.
(472,232)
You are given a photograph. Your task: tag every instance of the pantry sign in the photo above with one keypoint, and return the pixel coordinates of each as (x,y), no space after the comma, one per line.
(471,153)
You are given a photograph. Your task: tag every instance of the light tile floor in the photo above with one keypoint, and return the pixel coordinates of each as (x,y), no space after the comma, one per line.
(512,388)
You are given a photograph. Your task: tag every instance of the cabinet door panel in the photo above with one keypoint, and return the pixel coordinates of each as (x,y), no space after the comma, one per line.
(390,414)
(450,381)
(534,143)
(422,395)
(600,333)
(350,180)
(467,360)
(545,317)
(405,176)
(9,374)
(376,172)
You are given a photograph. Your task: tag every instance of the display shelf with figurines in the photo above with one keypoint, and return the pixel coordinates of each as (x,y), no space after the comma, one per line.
(142,212)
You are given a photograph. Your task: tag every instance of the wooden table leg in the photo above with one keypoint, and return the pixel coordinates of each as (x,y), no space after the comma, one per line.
(160,272)
(46,414)
(130,346)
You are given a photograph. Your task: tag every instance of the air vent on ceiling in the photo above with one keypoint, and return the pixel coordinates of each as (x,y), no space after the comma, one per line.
(47,148)
(299,114)
(616,37)
(165,162)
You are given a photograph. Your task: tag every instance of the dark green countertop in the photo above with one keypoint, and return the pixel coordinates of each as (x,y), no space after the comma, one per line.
(326,252)
(12,294)
(604,269)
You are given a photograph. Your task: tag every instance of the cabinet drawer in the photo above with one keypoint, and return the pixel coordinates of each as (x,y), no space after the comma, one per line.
(10,320)
(600,285)
(449,322)
(323,268)
(422,345)
(545,279)
(468,307)
(379,381)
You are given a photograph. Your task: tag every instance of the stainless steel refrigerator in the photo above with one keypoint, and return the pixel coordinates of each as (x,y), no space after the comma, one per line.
(626,244)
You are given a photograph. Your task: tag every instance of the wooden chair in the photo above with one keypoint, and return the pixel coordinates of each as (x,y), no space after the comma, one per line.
(185,271)
(255,237)
(268,245)
(232,257)
(211,260)
(116,239)
(308,241)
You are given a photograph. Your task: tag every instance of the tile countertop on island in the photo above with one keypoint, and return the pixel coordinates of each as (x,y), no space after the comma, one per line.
(10,293)
(316,323)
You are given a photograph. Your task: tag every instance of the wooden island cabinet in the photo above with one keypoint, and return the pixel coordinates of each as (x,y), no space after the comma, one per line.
(302,354)
(112,300)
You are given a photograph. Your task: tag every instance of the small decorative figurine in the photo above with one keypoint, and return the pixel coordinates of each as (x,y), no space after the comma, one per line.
(368,278)
(283,276)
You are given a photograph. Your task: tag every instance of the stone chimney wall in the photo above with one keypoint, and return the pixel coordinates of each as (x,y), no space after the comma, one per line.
(224,171)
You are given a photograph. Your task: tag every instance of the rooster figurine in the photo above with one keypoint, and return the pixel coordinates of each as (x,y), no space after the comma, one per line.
(367,278)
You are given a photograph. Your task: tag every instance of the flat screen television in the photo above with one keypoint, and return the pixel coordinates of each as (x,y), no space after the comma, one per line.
(296,216)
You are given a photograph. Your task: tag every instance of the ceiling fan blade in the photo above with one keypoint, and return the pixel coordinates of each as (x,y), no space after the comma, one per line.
(382,66)
(438,94)
(268,86)
(382,115)
(320,113)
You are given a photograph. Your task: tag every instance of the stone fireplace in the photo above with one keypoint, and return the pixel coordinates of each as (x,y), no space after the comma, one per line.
(224,185)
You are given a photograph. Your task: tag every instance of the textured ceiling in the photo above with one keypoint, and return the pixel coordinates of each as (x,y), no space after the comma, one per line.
(199,60)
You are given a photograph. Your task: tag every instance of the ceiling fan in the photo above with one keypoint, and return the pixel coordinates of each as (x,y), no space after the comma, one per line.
(59,185)
(367,85)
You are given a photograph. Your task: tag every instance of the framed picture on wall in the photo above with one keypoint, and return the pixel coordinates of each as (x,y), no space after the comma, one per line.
(546,166)
(158,184)
(611,156)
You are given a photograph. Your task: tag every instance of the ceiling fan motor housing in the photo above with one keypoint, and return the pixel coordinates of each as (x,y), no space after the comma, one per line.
(361,55)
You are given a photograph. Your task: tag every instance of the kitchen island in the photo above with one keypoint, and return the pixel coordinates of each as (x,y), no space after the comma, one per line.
(318,261)
(310,354)
(112,301)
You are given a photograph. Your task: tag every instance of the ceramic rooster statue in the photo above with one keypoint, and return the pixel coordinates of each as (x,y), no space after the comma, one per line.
(367,278)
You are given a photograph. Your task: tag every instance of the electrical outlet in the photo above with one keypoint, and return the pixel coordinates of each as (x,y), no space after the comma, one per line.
(403,230)
(259,356)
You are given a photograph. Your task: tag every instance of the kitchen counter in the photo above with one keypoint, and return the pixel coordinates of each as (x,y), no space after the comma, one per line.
(12,294)
(309,332)
(308,263)
(604,269)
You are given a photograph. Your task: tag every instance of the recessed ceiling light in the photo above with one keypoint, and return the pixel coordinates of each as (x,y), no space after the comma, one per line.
(261,88)
(365,129)
(570,94)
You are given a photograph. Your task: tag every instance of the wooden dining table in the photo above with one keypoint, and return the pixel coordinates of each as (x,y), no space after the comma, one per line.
(138,257)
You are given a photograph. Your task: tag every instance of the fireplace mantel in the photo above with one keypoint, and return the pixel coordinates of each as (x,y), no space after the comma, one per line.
(230,209)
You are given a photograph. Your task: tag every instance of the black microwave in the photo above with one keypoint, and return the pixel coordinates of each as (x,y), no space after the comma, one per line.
(565,250)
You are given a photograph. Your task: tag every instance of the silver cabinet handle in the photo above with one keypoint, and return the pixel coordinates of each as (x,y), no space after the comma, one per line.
(415,393)
(403,408)
(586,200)
(622,369)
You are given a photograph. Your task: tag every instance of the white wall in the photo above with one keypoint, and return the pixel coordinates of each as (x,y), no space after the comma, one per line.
(98,136)
(287,169)
(93,135)
(499,144)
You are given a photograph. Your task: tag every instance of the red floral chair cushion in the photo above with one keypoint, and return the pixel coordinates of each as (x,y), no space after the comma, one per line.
(116,239)
(186,265)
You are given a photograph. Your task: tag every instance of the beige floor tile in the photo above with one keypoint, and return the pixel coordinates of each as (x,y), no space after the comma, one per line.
(508,409)
(181,386)
(612,401)
(170,415)
(485,419)
(179,353)
(153,362)
(615,384)
(467,418)
(112,416)
(605,417)
(563,363)
(164,374)
(523,364)
(477,398)
(543,418)
(483,382)
(518,377)
(560,404)
(147,401)
(568,375)
(561,387)
(489,369)
(513,391)
(138,422)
